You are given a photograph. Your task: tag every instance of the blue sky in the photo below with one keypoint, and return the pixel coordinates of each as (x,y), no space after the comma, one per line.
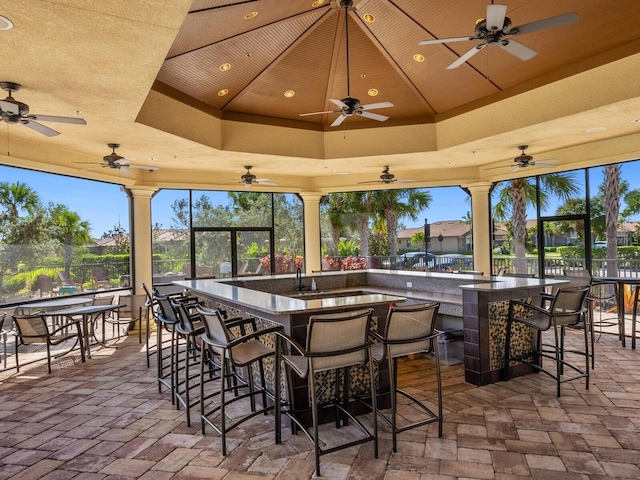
(105,205)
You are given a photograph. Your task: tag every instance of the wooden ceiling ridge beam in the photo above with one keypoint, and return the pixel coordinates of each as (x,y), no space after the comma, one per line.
(282,54)
(391,60)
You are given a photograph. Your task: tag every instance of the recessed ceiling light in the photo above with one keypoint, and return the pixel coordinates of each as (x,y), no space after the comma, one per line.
(369,17)
(289,93)
(450,163)
(78,112)
(595,129)
(224,67)
(250,15)
(637,120)
(223,92)
(418,58)
(372,92)
(317,3)
(152,159)
(5,23)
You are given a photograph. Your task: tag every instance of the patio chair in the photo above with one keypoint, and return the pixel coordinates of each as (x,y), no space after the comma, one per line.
(45,285)
(245,351)
(66,280)
(97,276)
(567,308)
(335,342)
(39,329)
(409,329)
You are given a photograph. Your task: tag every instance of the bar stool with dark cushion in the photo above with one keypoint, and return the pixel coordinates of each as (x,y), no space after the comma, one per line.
(165,351)
(410,329)
(236,352)
(567,309)
(335,341)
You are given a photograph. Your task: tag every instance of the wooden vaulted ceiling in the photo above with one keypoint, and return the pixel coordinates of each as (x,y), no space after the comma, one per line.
(147,74)
(297,46)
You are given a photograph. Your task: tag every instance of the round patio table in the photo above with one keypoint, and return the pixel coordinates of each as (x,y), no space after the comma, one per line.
(54,304)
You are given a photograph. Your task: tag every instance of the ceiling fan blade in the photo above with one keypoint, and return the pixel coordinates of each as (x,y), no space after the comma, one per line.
(407,180)
(436,41)
(373,116)
(9,107)
(319,113)
(125,171)
(267,183)
(52,118)
(553,22)
(466,56)
(339,120)
(339,103)
(516,168)
(91,168)
(262,180)
(495,17)
(550,162)
(38,127)
(144,167)
(370,183)
(517,49)
(373,106)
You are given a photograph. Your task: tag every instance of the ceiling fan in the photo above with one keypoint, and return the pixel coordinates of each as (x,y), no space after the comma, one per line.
(351,106)
(388,178)
(13,111)
(117,162)
(523,161)
(249,179)
(493,29)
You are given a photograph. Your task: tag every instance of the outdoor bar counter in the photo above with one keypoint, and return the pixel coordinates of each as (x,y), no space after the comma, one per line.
(477,304)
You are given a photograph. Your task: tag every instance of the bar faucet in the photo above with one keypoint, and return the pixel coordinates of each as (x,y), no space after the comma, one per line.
(299,279)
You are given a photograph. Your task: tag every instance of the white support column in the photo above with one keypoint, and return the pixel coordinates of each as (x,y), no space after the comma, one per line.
(481,226)
(141,236)
(312,257)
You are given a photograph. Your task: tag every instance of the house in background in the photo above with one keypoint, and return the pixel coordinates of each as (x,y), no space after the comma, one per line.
(447,236)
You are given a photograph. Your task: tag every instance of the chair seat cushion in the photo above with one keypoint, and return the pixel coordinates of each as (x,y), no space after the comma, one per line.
(248,352)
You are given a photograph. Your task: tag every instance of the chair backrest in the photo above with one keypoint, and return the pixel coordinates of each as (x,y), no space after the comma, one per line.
(64,278)
(184,316)
(569,300)
(167,313)
(3,317)
(410,322)
(103,300)
(214,327)
(168,289)
(335,332)
(45,283)
(134,306)
(31,328)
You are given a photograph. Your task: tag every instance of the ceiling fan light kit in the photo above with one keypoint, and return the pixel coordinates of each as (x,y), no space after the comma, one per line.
(249,179)
(118,162)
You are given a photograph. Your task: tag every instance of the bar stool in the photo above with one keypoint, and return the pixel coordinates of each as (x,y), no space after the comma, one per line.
(567,308)
(409,329)
(189,329)
(334,342)
(167,321)
(235,352)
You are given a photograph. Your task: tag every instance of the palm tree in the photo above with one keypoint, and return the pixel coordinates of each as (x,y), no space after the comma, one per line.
(521,192)
(70,230)
(15,197)
(338,213)
(611,187)
(362,204)
(395,204)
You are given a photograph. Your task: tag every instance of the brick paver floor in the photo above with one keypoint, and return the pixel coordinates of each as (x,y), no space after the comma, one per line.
(105,419)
